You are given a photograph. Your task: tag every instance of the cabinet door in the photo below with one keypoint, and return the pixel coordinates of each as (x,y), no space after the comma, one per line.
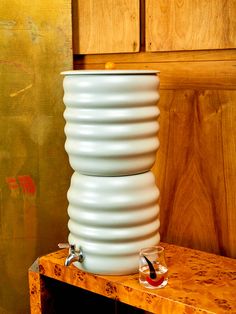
(190,24)
(106,26)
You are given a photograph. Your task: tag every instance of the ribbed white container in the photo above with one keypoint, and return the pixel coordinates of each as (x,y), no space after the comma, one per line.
(111,121)
(111,219)
(111,139)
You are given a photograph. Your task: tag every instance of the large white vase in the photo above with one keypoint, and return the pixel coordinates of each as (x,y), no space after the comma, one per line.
(111,139)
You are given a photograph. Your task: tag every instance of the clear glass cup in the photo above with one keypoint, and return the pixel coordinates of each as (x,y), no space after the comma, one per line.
(153,271)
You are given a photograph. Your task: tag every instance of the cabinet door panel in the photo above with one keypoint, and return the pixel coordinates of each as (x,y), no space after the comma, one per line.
(190,24)
(106,26)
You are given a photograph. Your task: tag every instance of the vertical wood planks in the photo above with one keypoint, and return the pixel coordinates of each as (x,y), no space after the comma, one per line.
(196,169)
(227,100)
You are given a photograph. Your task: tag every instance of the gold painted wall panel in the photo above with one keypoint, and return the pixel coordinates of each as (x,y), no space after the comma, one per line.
(35,46)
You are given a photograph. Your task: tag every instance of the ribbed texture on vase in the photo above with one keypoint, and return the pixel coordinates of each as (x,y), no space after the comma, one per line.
(111,219)
(111,123)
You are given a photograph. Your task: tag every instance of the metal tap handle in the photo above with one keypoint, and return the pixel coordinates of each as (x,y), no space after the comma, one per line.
(74,255)
(63,245)
(67,246)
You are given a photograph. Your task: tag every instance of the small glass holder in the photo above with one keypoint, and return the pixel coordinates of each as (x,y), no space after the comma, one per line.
(153,271)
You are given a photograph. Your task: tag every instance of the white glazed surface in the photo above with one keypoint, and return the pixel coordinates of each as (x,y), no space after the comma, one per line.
(111,219)
(111,122)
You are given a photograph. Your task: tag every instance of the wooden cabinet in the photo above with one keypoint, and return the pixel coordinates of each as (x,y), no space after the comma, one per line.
(106,26)
(199,283)
(113,26)
(190,24)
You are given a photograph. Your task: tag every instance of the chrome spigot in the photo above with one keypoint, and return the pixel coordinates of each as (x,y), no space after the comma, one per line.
(74,255)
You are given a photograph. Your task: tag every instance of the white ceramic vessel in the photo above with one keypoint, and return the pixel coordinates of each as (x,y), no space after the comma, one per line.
(111,139)
(111,121)
(111,219)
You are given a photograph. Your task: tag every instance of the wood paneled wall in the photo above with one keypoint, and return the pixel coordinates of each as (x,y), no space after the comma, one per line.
(196,162)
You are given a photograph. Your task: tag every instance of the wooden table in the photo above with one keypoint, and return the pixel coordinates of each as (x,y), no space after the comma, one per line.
(199,282)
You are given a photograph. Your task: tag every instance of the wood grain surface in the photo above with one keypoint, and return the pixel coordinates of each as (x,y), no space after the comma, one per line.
(196,162)
(106,26)
(183,75)
(155,57)
(190,25)
(196,168)
(35,288)
(199,282)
